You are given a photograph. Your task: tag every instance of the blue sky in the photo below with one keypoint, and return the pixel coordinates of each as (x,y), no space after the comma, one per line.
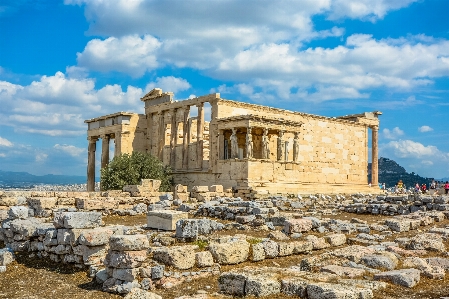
(62,62)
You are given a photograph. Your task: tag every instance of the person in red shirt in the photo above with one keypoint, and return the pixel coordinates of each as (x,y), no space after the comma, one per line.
(446,187)
(424,188)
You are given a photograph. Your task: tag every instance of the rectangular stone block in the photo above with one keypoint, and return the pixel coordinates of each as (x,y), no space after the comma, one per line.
(165,219)
(77,220)
(125,259)
(95,236)
(200,189)
(41,203)
(128,242)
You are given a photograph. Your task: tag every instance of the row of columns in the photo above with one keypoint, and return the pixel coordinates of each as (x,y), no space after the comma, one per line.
(159,139)
(92,147)
(282,145)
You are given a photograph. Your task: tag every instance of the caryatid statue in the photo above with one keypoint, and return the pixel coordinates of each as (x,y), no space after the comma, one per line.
(249,144)
(234,145)
(296,147)
(280,144)
(265,145)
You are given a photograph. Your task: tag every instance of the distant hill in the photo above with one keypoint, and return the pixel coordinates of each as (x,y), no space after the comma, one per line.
(391,172)
(14,179)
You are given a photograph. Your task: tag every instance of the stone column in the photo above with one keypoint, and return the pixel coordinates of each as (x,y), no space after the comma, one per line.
(249,144)
(161,137)
(280,146)
(150,136)
(185,136)
(374,156)
(118,144)
(91,164)
(296,147)
(221,148)
(199,135)
(173,139)
(104,151)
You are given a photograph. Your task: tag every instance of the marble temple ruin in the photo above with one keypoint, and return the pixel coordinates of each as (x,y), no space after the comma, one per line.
(243,146)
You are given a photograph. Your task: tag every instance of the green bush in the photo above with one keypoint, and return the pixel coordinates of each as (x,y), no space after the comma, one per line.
(129,169)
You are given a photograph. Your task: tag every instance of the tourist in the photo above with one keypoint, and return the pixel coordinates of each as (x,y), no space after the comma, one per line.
(433,184)
(446,187)
(424,188)
(417,188)
(383,186)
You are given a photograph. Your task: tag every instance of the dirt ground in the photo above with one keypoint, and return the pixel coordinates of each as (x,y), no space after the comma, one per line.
(37,279)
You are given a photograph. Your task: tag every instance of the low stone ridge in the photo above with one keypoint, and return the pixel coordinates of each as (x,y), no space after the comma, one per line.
(77,220)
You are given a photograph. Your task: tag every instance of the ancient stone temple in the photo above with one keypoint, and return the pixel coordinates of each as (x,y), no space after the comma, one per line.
(243,145)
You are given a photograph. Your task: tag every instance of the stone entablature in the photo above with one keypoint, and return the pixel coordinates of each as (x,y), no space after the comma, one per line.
(245,145)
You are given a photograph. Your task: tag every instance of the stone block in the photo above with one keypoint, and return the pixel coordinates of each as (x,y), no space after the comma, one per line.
(77,220)
(6,257)
(125,259)
(165,219)
(95,236)
(151,185)
(257,252)
(427,241)
(94,255)
(128,242)
(262,285)
(18,212)
(297,225)
(187,228)
(321,290)
(343,272)
(398,225)
(404,277)
(180,257)
(200,189)
(285,249)
(63,236)
(216,188)
(126,274)
(353,253)
(232,283)
(294,287)
(41,203)
(336,239)
(204,259)
(302,247)
(234,252)
(379,261)
(271,248)
(25,227)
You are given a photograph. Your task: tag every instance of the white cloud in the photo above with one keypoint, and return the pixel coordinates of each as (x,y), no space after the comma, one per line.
(424,129)
(365,9)
(392,134)
(58,105)
(412,149)
(70,149)
(5,142)
(427,162)
(130,54)
(169,83)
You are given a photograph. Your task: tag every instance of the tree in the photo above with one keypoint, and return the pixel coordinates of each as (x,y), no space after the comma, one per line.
(129,169)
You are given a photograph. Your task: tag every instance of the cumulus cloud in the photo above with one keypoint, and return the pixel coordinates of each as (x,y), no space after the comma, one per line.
(424,129)
(392,134)
(58,105)
(70,149)
(41,157)
(412,149)
(5,142)
(130,54)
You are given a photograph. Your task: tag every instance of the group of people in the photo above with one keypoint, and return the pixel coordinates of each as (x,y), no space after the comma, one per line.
(400,187)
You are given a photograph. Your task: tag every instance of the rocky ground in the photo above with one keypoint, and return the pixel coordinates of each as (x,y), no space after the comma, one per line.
(28,277)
